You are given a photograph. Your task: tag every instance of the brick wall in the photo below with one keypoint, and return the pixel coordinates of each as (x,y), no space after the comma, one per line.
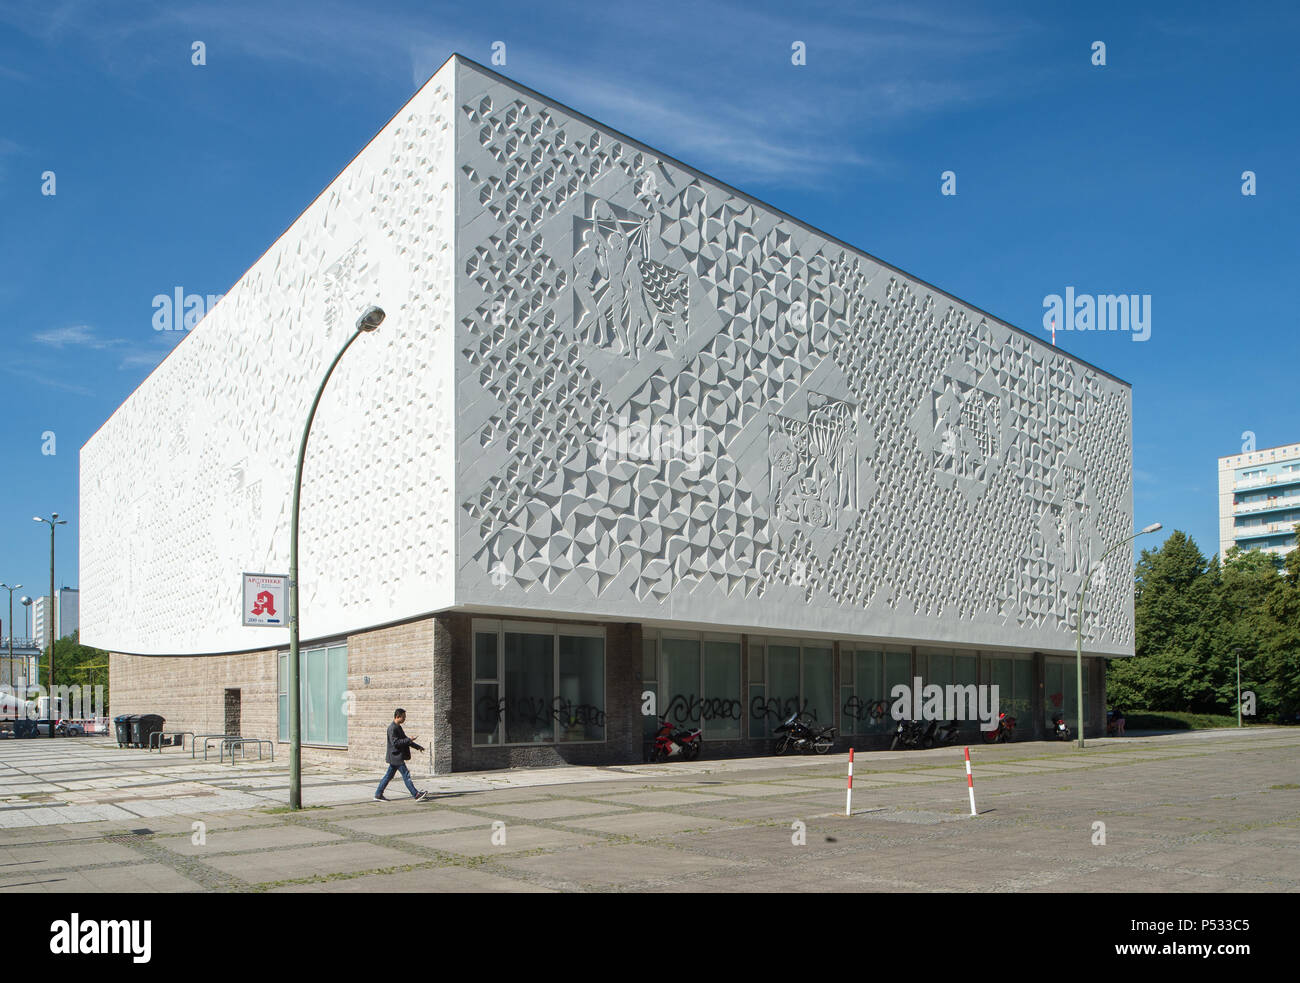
(387,668)
(190,691)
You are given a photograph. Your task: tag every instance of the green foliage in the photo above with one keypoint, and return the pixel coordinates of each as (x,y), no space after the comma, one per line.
(1192,618)
(75,665)
(1177,721)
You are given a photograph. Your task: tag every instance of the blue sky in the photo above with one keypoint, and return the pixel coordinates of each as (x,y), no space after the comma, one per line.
(1124,178)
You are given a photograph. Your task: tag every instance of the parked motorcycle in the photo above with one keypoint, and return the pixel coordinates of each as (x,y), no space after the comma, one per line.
(1059,730)
(909,733)
(949,733)
(796,734)
(1005,730)
(675,742)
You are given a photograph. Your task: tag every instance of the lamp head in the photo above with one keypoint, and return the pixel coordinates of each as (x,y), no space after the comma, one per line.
(1154,527)
(25,600)
(372,318)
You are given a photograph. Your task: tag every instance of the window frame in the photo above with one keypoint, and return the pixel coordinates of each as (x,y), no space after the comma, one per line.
(555,629)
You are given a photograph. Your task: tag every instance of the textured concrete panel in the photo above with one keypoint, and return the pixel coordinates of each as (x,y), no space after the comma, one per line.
(189,483)
(870,456)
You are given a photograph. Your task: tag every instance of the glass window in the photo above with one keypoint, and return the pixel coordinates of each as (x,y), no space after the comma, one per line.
(1022,675)
(898,671)
(336,703)
(721,707)
(580,711)
(488,708)
(528,675)
(819,684)
(782,684)
(963,674)
(284,696)
(485,655)
(866,709)
(702,680)
(322,701)
(533,685)
(682,679)
(649,684)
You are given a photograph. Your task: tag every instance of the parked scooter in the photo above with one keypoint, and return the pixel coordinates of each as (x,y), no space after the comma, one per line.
(795,734)
(1059,730)
(909,733)
(1004,732)
(673,742)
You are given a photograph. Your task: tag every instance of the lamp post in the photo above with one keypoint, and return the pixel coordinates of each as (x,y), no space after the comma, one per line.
(26,602)
(1078,622)
(1237,653)
(368,321)
(18,587)
(53,521)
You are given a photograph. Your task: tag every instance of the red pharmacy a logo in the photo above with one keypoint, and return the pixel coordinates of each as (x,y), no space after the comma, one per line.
(265,603)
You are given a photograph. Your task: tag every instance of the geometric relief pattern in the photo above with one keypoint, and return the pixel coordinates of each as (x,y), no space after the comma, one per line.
(866,444)
(190,482)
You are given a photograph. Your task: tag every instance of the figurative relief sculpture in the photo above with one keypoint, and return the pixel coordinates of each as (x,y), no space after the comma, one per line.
(623,298)
(813,464)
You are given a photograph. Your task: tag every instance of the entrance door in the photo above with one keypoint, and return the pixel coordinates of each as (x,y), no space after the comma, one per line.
(232,711)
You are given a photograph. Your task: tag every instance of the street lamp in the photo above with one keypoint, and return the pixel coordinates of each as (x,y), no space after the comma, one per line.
(26,602)
(53,521)
(370,319)
(1237,653)
(18,587)
(1078,623)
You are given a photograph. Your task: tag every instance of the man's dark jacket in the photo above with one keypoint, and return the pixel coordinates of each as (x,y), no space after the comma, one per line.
(399,745)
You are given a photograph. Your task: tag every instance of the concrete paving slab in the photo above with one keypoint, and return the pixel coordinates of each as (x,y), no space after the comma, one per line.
(519,837)
(646,823)
(435,880)
(222,841)
(126,879)
(283,865)
(610,866)
(557,809)
(414,821)
(666,798)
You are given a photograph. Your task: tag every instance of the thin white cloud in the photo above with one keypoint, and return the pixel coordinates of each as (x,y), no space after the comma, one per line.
(75,336)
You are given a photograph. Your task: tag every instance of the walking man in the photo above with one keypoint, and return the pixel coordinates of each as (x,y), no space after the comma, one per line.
(399,752)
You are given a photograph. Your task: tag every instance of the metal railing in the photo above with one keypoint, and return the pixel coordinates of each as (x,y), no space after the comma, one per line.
(1284,502)
(158,745)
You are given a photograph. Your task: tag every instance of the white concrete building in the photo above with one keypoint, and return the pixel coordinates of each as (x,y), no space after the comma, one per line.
(625,429)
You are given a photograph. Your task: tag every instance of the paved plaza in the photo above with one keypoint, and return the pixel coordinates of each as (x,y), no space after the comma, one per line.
(1208,811)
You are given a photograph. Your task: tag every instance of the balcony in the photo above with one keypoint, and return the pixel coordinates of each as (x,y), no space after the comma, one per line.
(1268,505)
(1287,478)
(1268,529)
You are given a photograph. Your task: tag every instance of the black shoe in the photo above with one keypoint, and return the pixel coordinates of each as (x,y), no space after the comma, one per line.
(423,795)
(380,798)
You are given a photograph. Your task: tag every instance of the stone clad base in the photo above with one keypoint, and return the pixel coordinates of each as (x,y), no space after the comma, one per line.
(424,666)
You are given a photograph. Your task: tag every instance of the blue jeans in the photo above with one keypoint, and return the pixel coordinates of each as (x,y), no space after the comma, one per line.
(406,777)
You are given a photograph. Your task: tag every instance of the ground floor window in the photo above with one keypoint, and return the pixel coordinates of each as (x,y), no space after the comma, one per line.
(946,668)
(1014,677)
(538,683)
(792,677)
(696,681)
(322,695)
(1059,688)
(867,676)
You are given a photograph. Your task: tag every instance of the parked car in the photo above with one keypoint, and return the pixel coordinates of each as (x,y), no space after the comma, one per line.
(41,728)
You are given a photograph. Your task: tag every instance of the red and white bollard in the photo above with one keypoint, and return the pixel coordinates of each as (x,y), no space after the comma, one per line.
(970,783)
(848,802)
